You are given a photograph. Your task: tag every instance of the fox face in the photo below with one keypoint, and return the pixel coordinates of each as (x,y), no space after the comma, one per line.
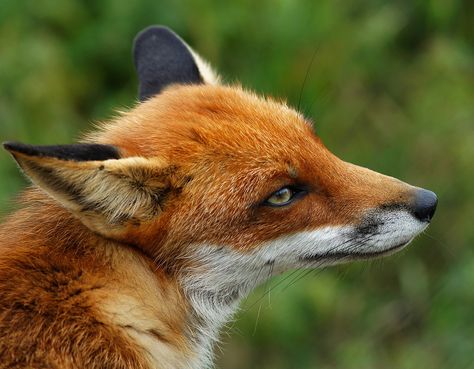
(211,164)
(251,172)
(219,186)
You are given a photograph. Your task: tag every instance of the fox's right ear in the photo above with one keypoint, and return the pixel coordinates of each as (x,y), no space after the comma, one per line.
(162,58)
(106,192)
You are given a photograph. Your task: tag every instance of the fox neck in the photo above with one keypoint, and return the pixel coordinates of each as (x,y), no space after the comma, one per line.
(214,287)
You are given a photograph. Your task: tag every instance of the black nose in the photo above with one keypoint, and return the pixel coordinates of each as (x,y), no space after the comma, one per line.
(424,205)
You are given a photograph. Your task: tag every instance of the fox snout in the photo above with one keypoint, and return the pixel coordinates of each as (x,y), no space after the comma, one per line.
(392,226)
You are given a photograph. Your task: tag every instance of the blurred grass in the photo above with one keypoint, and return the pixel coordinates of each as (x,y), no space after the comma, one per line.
(391,88)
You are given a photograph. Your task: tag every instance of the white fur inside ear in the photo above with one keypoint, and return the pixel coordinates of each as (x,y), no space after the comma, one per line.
(208,75)
(117,189)
(205,70)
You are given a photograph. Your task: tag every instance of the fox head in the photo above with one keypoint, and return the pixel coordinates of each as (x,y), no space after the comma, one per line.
(221,183)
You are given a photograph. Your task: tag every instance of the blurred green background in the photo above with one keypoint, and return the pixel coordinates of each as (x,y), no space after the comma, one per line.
(391,87)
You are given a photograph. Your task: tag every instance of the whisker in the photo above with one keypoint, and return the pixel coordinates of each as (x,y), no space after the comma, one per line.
(320,262)
(326,95)
(270,289)
(256,320)
(298,278)
(307,74)
(299,274)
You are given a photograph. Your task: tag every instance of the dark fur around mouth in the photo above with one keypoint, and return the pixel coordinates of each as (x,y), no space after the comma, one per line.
(363,233)
(341,255)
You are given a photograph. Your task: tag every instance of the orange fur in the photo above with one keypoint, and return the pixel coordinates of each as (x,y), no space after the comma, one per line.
(79,292)
(217,128)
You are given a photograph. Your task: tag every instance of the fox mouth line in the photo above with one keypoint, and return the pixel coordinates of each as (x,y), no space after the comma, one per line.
(338,255)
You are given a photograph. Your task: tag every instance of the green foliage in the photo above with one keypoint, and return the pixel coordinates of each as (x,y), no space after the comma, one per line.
(391,88)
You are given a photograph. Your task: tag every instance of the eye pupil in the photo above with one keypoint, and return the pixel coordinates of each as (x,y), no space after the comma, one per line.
(283,194)
(281,197)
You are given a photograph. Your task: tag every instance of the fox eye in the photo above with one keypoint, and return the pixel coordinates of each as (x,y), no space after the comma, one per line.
(281,197)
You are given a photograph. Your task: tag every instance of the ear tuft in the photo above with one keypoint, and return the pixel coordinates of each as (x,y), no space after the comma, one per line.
(106,195)
(75,152)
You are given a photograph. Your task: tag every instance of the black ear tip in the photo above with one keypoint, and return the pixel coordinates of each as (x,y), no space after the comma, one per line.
(8,145)
(16,147)
(162,58)
(151,37)
(29,150)
(151,31)
(75,152)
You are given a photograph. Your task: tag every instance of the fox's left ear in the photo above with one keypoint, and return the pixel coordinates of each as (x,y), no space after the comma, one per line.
(107,193)
(162,58)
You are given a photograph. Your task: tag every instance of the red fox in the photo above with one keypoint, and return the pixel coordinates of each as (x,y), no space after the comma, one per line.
(134,247)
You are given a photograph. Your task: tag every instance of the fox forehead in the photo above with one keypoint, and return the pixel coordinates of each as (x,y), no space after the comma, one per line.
(198,121)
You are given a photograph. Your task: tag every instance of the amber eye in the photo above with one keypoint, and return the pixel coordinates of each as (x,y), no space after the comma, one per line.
(281,197)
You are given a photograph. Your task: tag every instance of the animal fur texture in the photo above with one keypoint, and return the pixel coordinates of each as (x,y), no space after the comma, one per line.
(133,248)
